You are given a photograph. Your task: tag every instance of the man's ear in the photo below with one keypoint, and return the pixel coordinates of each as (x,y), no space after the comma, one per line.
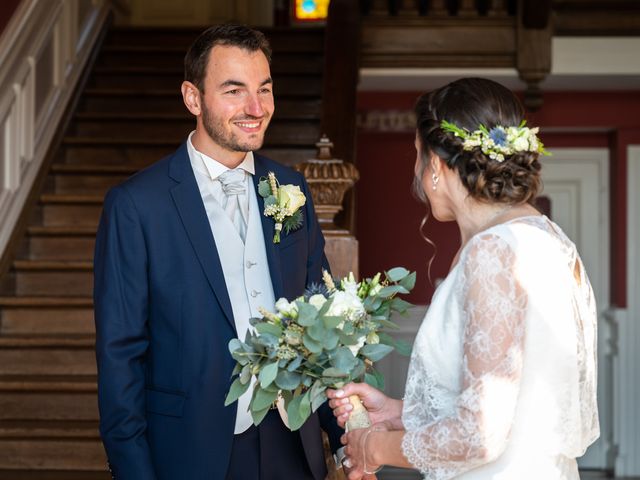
(191,97)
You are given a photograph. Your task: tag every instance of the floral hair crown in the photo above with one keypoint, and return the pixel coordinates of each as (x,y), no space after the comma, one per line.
(499,141)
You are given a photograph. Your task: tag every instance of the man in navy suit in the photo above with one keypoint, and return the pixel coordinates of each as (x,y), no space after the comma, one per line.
(184,256)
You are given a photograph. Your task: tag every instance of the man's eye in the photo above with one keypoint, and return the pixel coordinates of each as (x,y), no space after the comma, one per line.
(235,91)
(265,90)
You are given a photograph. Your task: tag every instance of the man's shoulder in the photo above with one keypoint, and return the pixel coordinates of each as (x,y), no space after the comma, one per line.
(148,182)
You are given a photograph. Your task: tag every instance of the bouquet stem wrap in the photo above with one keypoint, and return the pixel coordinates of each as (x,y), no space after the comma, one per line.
(359,417)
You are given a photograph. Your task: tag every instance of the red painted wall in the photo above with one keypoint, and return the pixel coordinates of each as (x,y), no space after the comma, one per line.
(7,8)
(388,217)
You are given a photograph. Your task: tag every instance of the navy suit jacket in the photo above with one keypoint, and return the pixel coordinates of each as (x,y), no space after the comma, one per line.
(164,321)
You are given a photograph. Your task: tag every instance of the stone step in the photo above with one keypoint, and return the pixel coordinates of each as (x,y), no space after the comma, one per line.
(303,39)
(47,355)
(53,277)
(51,445)
(172,78)
(34,397)
(59,243)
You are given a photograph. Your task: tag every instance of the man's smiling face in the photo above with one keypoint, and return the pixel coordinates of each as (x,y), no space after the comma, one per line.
(237,101)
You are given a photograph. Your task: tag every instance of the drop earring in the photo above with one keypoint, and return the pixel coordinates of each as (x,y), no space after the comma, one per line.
(434,179)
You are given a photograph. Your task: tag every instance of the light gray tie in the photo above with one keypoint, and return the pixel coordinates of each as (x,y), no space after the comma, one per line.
(235,199)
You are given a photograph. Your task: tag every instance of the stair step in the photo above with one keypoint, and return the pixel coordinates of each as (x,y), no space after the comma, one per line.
(59,243)
(50,383)
(125,156)
(51,315)
(51,445)
(86,184)
(53,475)
(66,199)
(53,277)
(54,397)
(95,169)
(49,355)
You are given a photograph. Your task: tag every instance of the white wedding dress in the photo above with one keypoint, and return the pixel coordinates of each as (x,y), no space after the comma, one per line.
(502,380)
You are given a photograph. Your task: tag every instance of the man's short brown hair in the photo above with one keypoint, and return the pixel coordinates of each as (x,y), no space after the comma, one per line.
(241,36)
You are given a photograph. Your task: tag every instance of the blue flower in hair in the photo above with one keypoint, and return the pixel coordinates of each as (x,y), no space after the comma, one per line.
(499,136)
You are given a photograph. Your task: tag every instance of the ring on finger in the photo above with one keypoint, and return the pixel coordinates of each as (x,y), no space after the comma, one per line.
(347,462)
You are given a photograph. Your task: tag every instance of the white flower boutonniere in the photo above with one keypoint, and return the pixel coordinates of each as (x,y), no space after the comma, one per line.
(283,203)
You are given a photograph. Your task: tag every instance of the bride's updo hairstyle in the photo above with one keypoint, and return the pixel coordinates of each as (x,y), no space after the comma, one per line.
(469,103)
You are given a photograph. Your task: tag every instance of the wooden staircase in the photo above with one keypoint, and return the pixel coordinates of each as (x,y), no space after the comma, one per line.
(129,115)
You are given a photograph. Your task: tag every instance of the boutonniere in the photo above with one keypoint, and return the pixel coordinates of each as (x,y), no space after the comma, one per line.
(283,203)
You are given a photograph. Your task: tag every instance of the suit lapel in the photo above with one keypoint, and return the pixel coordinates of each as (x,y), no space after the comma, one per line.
(268,227)
(188,201)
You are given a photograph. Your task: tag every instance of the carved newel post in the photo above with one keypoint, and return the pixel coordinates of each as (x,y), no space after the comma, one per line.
(329,179)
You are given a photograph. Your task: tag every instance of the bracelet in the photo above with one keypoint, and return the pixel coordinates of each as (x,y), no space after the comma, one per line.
(364,450)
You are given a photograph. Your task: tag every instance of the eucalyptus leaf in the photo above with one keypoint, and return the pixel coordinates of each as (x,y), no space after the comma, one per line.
(392,290)
(358,372)
(259,416)
(409,281)
(376,352)
(245,374)
(268,374)
(234,345)
(312,345)
(343,360)
(263,399)
(307,314)
(298,412)
(317,331)
(265,327)
(268,340)
(375,379)
(264,189)
(330,340)
(236,391)
(396,274)
(295,363)
(325,307)
(331,321)
(334,372)
(318,396)
(400,305)
(288,380)
(270,200)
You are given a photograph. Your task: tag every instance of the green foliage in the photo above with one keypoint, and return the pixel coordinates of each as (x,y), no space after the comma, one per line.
(304,349)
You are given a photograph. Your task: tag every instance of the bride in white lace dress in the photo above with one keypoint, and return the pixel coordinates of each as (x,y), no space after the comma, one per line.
(502,379)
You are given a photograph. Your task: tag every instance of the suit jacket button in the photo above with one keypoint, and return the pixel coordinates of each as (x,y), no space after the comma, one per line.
(255,293)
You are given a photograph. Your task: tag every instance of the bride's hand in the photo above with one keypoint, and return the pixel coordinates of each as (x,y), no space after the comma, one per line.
(358,451)
(380,407)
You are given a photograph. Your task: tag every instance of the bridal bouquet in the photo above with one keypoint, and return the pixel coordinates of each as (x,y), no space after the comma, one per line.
(325,339)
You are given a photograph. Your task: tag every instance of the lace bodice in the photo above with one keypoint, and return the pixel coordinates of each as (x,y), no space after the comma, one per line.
(502,380)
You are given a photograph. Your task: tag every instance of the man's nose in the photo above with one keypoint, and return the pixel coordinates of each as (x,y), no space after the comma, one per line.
(254,107)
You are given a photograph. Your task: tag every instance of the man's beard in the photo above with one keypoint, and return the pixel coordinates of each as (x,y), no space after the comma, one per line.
(228,140)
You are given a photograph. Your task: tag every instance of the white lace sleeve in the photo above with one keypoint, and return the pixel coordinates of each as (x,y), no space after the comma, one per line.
(494,307)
